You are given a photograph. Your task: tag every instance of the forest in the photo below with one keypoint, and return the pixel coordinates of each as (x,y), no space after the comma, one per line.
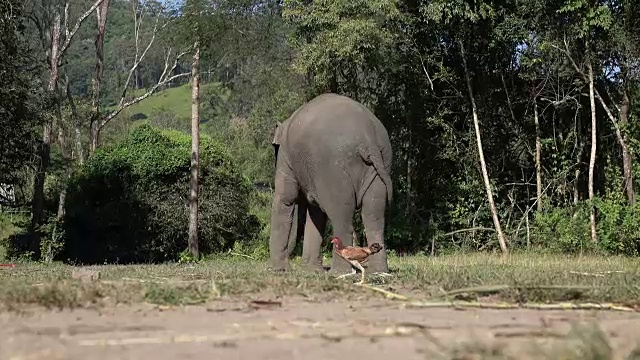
(514,124)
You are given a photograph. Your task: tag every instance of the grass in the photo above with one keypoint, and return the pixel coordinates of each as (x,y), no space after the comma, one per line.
(523,278)
(176,99)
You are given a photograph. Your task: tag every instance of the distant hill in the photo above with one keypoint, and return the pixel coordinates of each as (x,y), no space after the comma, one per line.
(177,99)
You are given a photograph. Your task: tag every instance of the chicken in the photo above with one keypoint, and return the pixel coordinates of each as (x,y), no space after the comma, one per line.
(355,255)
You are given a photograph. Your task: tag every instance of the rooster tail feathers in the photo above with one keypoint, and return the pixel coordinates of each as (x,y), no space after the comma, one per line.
(375,247)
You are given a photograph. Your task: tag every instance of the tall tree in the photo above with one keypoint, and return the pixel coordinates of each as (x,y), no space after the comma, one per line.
(195,10)
(58,44)
(195,151)
(483,165)
(102,12)
(19,99)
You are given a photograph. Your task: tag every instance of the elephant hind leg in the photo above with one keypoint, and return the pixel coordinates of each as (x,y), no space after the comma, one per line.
(373,209)
(312,243)
(340,213)
(282,209)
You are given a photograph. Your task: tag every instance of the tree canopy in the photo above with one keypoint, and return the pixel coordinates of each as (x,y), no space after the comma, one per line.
(544,75)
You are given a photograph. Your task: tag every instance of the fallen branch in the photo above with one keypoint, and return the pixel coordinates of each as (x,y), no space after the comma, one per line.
(531,306)
(388,294)
(496,288)
(493,288)
(598,274)
(243,255)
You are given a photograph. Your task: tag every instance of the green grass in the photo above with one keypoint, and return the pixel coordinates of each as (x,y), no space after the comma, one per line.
(589,279)
(177,99)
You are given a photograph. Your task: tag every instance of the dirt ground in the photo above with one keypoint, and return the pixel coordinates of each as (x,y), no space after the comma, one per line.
(289,328)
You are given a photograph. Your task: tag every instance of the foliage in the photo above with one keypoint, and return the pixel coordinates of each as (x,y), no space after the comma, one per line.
(129,202)
(263,58)
(567,230)
(21,98)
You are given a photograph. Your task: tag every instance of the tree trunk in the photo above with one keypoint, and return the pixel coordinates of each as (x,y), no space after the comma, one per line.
(77,125)
(576,175)
(37,206)
(62,197)
(94,130)
(538,157)
(625,108)
(592,158)
(485,174)
(195,140)
(63,148)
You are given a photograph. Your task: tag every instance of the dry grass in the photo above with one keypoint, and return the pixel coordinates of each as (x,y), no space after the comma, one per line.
(522,278)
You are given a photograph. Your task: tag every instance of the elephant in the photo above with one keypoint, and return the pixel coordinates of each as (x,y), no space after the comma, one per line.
(333,156)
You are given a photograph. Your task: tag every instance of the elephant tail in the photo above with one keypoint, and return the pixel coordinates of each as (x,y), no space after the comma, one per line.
(375,157)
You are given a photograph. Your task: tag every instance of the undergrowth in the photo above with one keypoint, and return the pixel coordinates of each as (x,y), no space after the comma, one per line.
(572,278)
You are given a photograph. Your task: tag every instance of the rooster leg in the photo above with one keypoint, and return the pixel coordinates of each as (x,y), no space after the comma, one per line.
(353,272)
(357,264)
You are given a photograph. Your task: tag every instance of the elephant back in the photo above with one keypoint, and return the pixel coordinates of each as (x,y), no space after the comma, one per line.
(332,133)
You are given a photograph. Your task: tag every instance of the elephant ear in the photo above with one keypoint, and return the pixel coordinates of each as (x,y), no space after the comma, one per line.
(276,135)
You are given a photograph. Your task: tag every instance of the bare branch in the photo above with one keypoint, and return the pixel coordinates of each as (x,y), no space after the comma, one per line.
(424,68)
(140,98)
(164,79)
(562,101)
(596,92)
(66,21)
(69,37)
(137,60)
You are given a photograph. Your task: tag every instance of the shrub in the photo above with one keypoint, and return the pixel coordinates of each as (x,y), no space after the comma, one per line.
(129,203)
(568,230)
(562,229)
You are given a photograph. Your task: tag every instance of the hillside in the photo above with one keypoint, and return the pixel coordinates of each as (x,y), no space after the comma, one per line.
(177,100)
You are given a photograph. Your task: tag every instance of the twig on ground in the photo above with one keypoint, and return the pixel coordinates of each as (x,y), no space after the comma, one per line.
(388,294)
(168,281)
(532,306)
(496,288)
(243,255)
(598,274)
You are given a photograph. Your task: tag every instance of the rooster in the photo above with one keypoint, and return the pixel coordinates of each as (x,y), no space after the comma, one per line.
(355,255)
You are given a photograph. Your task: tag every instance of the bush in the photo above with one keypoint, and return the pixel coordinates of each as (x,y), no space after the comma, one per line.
(568,230)
(129,203)
(561,229)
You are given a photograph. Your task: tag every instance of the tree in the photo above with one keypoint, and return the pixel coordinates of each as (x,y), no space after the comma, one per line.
(483,165)
(57,45)
(196,12)
(195,151)
(19,98)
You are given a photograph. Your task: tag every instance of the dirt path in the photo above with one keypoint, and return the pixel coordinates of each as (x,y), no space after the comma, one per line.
(295,329)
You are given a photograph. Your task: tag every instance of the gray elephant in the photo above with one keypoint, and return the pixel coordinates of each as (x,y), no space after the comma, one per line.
(333,156)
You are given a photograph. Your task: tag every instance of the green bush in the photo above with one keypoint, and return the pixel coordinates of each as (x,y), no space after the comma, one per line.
(618,226)
(129,203)
(562,229)
(568,230)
